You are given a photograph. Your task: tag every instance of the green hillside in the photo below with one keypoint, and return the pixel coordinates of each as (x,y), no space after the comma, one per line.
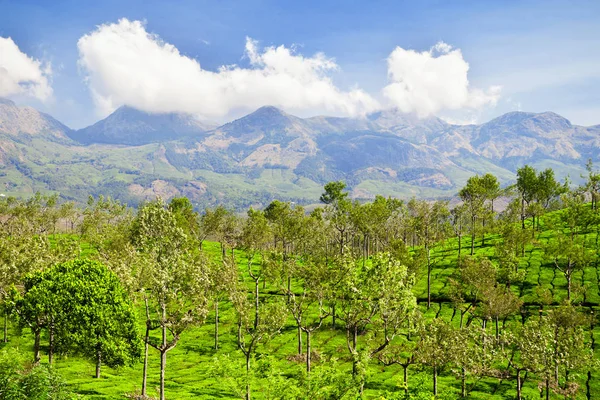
(196,370)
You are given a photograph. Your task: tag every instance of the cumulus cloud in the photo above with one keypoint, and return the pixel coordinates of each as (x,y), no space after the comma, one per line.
(430,81)
(125,64)
(21,74)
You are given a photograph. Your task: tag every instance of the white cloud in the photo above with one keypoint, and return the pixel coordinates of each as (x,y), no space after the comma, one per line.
(124,64)
(21,74)
(430,81)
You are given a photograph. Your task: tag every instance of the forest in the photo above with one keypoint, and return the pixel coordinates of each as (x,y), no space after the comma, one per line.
(494,296)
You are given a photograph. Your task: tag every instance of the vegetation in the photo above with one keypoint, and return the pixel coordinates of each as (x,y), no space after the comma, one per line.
(381,299)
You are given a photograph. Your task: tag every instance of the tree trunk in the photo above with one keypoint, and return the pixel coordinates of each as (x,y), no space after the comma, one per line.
(36,346)
(518,384)
(146,339)
(216,324)
(163,353)
(5,340)
(569,286)
(497,329)
(472,235)
(50,343)
(98,362)
(145,370)
(308,352)
(256,297)
(463,383)
(428,279)
(248,375)
(459,247)
(482,232)
(405,374)
(299,340)
(435,390)
(523,214)
(333,315)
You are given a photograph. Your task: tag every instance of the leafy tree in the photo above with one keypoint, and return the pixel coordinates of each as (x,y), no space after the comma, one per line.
(474,277)
(249,337)
(529,350)
(436,347)
(256,236)
(474,196)
(178,280)
(85,310)
(527,186)
(592,185)
(314,280)
(459,221)
(334,192)
(100,321)
(337,210)
(379,293)
(431,225)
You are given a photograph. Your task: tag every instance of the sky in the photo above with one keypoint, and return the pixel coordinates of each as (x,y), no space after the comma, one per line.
(464,61)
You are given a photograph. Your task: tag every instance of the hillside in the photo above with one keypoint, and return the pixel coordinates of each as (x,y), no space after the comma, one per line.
(194,366)
(129,126)
(133,155)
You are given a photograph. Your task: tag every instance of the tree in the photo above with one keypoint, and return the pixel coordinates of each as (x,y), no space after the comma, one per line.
(568,255)
(85,310)
(459,221)
(100,321)
(256,235)
(592,185)
(436,347)
(529,350)
(473,195)
(403,352)
(527,186)
(473,278)
(314,279)
(571,353)
(431,225)
(378,294)
(334,192)
(249,337)
(217,223)
(337,210)
(178,280)
(567,250)
(491,190)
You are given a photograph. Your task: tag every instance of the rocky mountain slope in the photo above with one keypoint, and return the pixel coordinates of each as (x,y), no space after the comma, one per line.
(270,154)
(133,127)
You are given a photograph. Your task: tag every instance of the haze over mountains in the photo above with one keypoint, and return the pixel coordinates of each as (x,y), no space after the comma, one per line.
(133,155)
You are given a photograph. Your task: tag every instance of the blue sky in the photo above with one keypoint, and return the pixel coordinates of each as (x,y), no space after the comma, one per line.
(545,55)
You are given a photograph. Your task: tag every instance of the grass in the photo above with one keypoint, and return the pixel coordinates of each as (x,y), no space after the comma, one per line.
(190,365)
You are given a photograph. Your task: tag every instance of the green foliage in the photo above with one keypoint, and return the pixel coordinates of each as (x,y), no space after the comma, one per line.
(40,382)
(86,309)
(337,303)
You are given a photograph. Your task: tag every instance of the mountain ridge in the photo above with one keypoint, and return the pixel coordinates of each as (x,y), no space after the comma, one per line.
(272,154)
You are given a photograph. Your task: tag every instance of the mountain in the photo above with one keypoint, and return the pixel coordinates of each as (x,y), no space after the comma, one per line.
(270,154)
(130,126)
(27,121)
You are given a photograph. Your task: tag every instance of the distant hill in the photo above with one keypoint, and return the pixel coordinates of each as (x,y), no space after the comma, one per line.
(26,121)
(270,154)
(134,127)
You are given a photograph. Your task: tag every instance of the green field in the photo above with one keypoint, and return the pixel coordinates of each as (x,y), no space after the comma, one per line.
(192,367)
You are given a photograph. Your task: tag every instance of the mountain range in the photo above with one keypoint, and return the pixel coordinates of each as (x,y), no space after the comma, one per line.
(133,155)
